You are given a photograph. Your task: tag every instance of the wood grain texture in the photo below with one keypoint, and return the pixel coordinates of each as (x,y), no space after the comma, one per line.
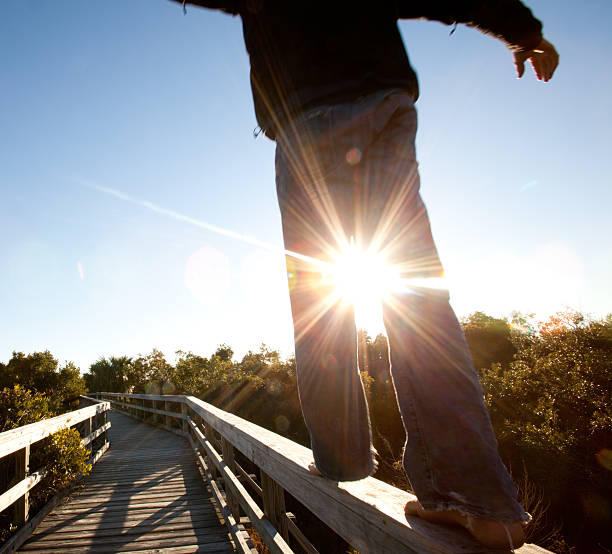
(369,514)
(15,439)
(145,494)
(271,537)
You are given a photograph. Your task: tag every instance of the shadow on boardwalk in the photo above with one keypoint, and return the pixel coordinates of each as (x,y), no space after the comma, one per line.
(145,494)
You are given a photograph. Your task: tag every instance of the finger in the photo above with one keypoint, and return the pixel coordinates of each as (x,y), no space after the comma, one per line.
(549,68)
(555,64)
(537,67)
(520,67)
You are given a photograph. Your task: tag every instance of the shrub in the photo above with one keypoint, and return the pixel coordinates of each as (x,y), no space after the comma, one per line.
(62,453)
(65,458)
(19,407)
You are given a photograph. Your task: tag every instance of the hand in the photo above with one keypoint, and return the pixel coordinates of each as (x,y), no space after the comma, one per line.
(544,60)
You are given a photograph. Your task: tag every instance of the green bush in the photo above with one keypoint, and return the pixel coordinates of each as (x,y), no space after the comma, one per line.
(41,372)
(65,458)
(19,407)
(62,453)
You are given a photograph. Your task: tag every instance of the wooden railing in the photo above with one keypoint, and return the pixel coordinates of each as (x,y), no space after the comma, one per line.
(368,514)
(92,425)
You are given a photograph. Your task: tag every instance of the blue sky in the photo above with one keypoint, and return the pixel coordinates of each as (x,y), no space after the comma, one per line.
(138,98)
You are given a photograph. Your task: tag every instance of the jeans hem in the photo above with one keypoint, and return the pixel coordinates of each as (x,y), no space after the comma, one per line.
(475,511)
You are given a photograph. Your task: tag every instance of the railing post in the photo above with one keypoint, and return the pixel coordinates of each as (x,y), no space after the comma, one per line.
(227,451)
(168,418)
(185,412)
(274,504)
(105,434)
(22,468)
(208,433)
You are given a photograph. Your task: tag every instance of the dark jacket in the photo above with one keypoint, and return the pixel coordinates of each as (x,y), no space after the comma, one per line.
(309,52)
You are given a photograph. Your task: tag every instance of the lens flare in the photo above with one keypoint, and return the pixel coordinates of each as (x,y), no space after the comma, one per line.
(366,280)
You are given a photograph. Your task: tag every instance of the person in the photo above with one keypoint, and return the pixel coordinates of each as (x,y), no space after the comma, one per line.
(333,86)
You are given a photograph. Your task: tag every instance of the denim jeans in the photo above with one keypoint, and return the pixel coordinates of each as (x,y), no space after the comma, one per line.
(350,170)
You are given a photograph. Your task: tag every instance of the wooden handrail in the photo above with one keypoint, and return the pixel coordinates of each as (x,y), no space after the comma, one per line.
(15,439)
(18,441)
(368,514)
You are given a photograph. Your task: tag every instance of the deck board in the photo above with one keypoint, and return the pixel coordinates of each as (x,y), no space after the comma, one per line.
(145,494)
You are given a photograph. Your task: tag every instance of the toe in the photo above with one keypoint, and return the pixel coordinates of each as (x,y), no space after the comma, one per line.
(312,468)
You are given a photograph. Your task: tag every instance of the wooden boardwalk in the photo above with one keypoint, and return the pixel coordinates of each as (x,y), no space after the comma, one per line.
(146,495)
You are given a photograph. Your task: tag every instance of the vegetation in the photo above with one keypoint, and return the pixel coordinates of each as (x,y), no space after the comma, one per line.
(41,372)
(547,385)
(61,453)
(552,411)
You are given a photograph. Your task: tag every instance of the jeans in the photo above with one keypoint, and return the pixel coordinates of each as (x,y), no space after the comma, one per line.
(349,171)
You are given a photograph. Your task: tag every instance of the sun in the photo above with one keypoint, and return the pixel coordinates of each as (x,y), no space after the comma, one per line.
(364,279)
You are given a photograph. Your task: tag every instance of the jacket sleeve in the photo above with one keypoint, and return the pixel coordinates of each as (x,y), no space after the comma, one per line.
(228,6)
(508,20)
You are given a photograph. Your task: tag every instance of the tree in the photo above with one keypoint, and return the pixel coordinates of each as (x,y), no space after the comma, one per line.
(41,372)
(489,340)
(188,373)
(110,375)
(62,453)
(552,414)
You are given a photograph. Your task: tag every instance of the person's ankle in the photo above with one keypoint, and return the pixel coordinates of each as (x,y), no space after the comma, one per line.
(490,533)
(497,534)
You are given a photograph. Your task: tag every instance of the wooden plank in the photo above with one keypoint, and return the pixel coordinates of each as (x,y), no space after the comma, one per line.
(14,542)
(148,474)
(243,475)
(171,430)
(153,547)
(21,488)
(242,542)
(102,450)
(272,538)
(123,507)
(180,550)
(15,439)
(168,508)
(274,504)
(155,411)
(134,515)
(91,524)
(297,534)
(95,484)
(21,508)
(185,412)
(91,399)
(135,501)
(164,397)
(369,514)
(91,436)
(94,544)
(176,487)
(130,541)
(152,530)
(228,457)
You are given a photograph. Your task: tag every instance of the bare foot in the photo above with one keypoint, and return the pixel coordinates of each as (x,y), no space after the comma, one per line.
(493,534)
(313,469)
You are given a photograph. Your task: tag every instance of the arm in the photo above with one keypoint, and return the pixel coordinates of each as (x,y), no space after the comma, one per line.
(508,20)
